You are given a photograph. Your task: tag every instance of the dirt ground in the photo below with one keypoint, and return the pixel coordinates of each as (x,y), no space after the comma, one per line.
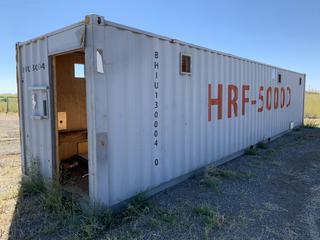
(274,193)
(10,169)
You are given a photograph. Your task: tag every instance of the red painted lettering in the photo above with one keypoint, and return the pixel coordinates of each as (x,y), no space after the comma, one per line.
(276,98)
(269,93)
(244,98)
(283,97)
(232,100)
(289,94)
(215,101)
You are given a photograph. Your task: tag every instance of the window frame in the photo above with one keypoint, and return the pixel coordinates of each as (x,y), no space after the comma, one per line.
(279,78)
(74,71)
(182,54)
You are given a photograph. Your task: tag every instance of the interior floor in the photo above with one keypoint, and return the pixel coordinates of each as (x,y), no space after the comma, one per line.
(74,173)
(71,121)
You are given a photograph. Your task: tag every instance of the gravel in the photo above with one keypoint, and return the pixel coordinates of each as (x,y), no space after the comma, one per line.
(280,198)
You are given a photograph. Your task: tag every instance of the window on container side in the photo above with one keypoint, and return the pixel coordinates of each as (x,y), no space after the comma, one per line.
(100,61)
(79,71)
(300,81)
(185,63)
(279,78)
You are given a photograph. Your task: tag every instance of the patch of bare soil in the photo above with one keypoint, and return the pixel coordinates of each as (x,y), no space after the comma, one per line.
(10,170)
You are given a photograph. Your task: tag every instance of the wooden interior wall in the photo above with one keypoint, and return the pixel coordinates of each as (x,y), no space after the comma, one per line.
(71,92)
(71,102)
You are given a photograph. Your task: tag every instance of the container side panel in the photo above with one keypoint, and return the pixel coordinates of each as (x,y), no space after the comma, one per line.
(36,106)
(162,124)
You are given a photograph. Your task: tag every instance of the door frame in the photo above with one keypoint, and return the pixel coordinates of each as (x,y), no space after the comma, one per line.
(54,119)
(52,83)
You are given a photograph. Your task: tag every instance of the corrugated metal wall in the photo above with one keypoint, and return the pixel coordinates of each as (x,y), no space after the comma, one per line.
(34,84)
(187,140)
(37,133)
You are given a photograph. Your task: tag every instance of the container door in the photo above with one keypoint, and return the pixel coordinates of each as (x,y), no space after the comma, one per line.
(36,118)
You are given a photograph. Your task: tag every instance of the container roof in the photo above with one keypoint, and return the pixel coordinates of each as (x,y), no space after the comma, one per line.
(153,35)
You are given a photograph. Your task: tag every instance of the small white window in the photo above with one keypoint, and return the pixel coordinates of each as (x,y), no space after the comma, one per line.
(79,70)
(185,63)
(99,61)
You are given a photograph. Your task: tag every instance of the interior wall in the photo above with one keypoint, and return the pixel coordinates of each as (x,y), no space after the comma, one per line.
(71,92)
(71,110)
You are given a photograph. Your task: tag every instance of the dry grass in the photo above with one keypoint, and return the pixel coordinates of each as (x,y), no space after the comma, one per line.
(312,105)
(210,217)
(8,102)
(311,123)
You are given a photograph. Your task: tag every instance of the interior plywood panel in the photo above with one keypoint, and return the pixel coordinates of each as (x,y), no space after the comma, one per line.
(71,92)
(70,105)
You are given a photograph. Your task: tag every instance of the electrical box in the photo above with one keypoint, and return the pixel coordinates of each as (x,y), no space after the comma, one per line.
(39,101)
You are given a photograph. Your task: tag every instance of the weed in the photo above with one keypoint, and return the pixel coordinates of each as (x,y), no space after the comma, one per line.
(228,174)
(211,183)
(210,217)
(136,207)
(165,216)
(66,209)
(50,228)
(253,164)
(33,184)
(58,201)
(310,124)
(154,223)
(168,218)
(94,222)
(262,145)
(251,151)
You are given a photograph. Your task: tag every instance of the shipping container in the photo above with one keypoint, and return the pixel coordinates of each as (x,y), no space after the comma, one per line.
(113,111)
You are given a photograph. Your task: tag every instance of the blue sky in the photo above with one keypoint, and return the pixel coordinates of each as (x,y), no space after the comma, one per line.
(284,33)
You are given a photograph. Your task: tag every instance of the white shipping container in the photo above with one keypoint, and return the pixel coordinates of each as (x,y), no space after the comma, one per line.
(141,112)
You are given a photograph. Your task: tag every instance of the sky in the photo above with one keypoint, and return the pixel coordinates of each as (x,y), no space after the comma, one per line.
(284,33)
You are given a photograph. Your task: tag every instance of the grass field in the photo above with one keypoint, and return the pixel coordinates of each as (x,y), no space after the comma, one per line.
(312,105)
(8,103)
